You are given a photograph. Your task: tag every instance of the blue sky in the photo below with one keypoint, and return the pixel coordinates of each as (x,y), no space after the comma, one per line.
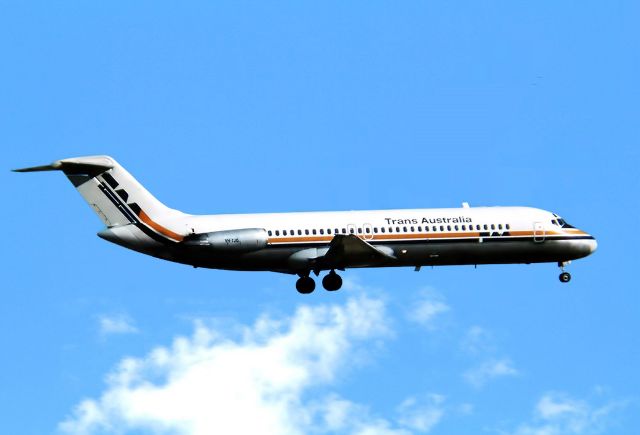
(287,106)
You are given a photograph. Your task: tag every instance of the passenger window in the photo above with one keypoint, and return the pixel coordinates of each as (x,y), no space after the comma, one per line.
(419,229)
(270,233)
(508,226)
(477,227)
(441,227)
(314,231)
(493,227)
(359,230)
(499,226)
(382,229)
(464,228)
(375,230)
(335,231)
(448,227)
(404,229)
(456,227)
(367,230)
(413,230)
(322,231)
(351,230)
(390,229)
(299,232)
(397,229)
(486,227)
(277,232)
(306,232)
(344,231)
(434,228)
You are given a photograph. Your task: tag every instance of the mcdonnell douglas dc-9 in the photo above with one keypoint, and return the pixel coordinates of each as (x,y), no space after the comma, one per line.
(302,243)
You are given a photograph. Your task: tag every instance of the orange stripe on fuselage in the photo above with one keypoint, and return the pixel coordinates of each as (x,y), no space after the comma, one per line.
(426,236)
(159,228)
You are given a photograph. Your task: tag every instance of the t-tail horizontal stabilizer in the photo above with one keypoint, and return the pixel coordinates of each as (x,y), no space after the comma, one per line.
(81,165)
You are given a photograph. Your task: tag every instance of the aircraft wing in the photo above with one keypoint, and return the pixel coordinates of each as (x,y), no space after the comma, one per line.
(348,250)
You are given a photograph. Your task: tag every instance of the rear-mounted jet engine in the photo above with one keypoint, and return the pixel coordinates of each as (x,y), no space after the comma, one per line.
(241,240)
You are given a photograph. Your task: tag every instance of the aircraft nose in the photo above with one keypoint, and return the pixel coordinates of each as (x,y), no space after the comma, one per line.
(593,245)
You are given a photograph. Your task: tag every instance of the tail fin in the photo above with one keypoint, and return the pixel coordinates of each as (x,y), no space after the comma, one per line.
(116,197)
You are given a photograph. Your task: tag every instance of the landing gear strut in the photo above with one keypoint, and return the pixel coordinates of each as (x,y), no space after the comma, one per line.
(305,285)
(564,276)
(332,281)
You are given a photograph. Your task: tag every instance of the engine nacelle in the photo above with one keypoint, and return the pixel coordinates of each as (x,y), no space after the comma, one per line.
(241,240)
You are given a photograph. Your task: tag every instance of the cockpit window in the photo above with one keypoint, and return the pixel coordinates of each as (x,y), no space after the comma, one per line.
(561,223)
(564,223)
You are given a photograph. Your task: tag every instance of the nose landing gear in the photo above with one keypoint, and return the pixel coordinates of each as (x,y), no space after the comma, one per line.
(332,281)
(564,276)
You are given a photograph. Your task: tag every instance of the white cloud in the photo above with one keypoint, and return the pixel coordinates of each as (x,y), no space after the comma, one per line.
(488,371)
(428,308)
(421,415)
(477,340)
(338,415)
(116,324)
(553,405)
(560,414)
(260,382)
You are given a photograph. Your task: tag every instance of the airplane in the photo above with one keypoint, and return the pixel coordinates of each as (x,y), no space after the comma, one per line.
(306,242)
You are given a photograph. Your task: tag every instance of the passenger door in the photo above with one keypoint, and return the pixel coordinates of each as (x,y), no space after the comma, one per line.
(368,231)
(538,232)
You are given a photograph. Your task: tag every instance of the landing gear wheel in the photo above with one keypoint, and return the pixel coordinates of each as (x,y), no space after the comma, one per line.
(565,277)
(305,285)
(332,282)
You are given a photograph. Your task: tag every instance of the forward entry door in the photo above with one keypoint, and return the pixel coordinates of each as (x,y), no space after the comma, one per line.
(368,231)
(538,232)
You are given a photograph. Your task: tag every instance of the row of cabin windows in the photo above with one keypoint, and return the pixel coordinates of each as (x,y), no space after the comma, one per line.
(377,230)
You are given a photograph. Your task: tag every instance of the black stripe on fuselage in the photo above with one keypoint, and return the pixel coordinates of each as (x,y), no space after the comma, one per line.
(109,179)
(130,215)
(115,201)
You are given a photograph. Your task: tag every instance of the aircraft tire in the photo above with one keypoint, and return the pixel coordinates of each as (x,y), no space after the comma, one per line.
(305,285)
(332,282)
(565,277)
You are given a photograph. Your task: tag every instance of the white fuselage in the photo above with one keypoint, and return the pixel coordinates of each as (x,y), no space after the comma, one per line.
(413,237)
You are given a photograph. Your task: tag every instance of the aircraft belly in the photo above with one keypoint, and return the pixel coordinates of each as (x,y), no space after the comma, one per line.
(268,259)
(474,252)
(285,259)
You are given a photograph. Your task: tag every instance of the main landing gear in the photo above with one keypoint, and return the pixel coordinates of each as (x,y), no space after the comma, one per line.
(331,282)
(305,285)
(564,276)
